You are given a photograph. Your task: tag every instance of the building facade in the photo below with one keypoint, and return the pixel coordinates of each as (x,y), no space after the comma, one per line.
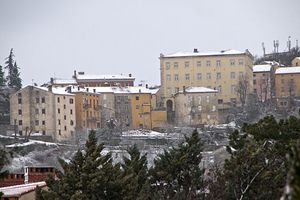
(263,81)
(287,84)
(195,106)
(296,62)
(221,71)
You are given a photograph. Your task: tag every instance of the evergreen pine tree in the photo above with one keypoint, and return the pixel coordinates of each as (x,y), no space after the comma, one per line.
(177,173)
(16,81)
(134,176)
(2,79)
(9,66)
(89,175)
(13,78)
(3,161)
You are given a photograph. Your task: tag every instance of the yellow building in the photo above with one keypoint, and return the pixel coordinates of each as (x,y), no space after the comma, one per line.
(287,85)
(87,108)
(216,70)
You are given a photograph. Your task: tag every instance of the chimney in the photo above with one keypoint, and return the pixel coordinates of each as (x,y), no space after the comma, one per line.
(94,90)
(183,89)
(140,90)
(147,86)
(51,80)
(74,76)
(78,88)
(50,88)
(195,50)
(87,89)
(129,75)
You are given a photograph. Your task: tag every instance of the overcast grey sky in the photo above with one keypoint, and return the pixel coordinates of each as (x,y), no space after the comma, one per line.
(54,37)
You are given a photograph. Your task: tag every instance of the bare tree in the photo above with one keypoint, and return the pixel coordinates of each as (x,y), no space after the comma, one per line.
(242,89)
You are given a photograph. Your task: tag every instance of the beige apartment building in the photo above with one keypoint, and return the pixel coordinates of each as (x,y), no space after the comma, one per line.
(216,70)
(39,110)
(296,62)
(195,106)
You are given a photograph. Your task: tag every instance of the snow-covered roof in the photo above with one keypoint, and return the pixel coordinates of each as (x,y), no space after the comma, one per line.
(102,77)
(58,81)
(262,68)
(211,53)
(199,90)
(288,70)
(60,91)
(18,190)
(115,90)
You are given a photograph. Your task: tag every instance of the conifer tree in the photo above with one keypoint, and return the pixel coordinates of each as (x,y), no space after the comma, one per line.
(13,78)
(3,161)
(177,173)
(134,176)
(89,175)
(2,79)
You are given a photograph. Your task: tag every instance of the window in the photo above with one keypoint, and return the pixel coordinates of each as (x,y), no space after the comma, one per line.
(64,106)
(187,77)
(219,75)
(137,98)
(176,78)
(19,95)
(233,100)
(58,110)
(220,101)
(71,112)
(37,100)
(65,128)
(175,65)
(186,64)
(58,100)
(71,123)
(43,99)
(214,108)
(20,112)
(168,77)
(207,99)
(71,101)
(44,132)
(19,100)
(199,100)
(36,122)
(59,132)
(218,63)
(43,111)
(199,76)
(59,122)
(65,117)
(232,89)
(167,65)
(232,62)
(208,63)
(198,63)
(241,61)
(220,89)
(232,75)
(20,122)
(36,111)
(208,76)
(254,82)
(43,122)
(137,106)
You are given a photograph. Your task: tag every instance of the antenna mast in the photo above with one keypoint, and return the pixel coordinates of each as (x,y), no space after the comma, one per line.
(264,49)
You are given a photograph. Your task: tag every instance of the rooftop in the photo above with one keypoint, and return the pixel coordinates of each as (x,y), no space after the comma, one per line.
(199,90)
(102,77)
(18,190)
(262,68)
(57,81)
(211,53)
(288,70)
